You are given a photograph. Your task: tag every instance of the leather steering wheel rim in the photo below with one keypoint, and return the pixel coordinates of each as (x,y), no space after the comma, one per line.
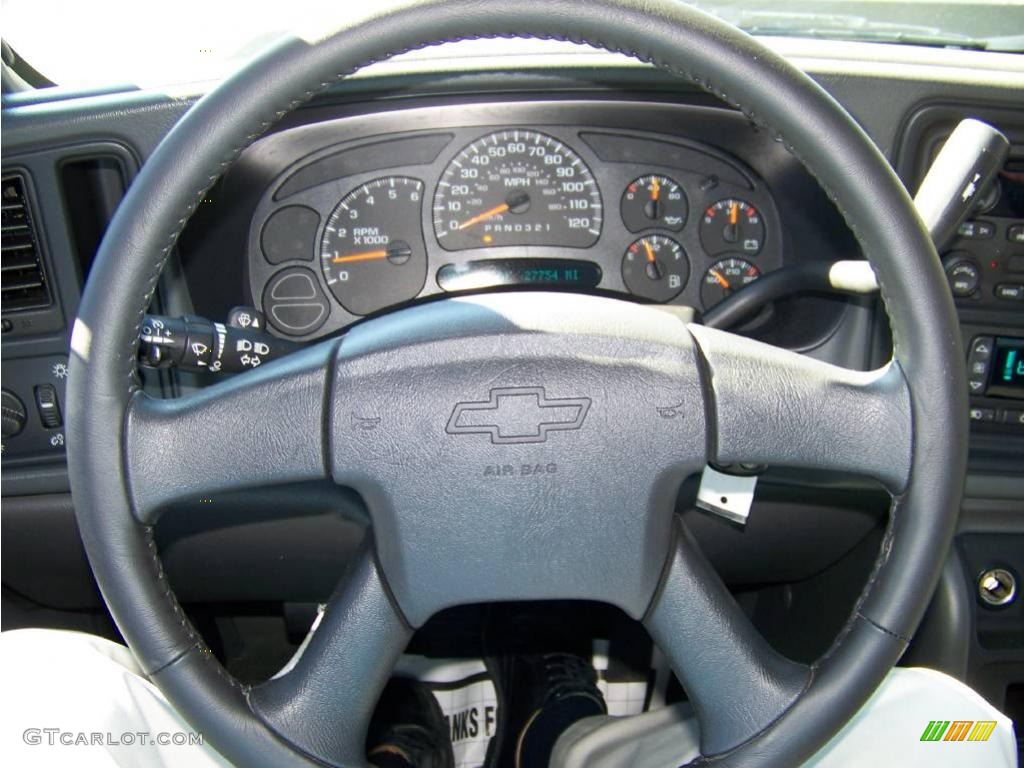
(791,710)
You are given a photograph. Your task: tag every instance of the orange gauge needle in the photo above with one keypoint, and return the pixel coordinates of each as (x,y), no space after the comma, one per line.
(367,256)
(484,216)
(719,279)
(655,188)
(650,253)
(734,213)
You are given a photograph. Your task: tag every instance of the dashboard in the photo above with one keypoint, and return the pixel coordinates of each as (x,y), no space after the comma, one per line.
(501,197)
(417,183)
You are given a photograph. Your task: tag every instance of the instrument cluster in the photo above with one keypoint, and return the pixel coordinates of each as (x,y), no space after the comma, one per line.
(357,228)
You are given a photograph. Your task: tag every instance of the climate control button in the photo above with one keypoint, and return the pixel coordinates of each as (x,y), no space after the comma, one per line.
(1010,291)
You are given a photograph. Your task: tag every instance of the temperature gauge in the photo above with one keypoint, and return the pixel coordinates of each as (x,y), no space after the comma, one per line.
(655,267)
(724,277)
(732,225)
(653,201)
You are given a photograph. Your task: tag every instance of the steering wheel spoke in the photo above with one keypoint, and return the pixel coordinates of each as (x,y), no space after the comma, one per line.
(323,703)
(738,684)
(772,406)
(260,428)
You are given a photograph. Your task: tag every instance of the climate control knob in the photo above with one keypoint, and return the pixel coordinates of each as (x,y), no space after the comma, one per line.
(13,414)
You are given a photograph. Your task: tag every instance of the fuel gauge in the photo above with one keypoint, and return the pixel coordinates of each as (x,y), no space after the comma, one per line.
(655,267)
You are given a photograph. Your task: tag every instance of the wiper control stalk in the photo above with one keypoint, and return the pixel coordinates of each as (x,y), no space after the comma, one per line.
(191,343)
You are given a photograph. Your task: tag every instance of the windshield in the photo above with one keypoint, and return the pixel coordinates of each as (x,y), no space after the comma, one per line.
(96,44)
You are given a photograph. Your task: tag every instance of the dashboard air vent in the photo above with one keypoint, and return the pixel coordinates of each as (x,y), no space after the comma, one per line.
(23,282)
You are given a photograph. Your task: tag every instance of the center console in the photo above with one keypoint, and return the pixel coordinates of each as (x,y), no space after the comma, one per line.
(974,628)
(984,267)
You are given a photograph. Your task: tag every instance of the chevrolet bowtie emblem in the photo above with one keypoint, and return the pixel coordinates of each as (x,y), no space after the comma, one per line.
(518,415)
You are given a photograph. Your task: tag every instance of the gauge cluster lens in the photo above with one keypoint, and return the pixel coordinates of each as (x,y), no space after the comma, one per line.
(655,268)
(653,201)
(510,209)
(732,225)
(724,277)
(372,253)
(517,188)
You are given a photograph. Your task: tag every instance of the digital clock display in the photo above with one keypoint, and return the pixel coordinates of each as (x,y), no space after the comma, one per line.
(499,273)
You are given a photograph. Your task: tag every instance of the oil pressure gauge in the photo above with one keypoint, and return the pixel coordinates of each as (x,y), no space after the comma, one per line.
(653,201)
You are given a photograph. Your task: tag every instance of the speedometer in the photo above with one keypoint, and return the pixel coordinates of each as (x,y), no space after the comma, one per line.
(517,187)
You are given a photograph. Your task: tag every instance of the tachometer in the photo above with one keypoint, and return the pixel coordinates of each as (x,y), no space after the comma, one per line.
(517,187)
(372,253)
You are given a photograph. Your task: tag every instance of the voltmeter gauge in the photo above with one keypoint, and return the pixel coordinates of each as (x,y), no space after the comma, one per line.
(655,268)
(732,225)
(372,253)
(653,201)
(724,277)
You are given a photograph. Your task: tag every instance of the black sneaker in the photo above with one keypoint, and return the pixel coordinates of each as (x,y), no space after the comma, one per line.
(543,684)
(408,725)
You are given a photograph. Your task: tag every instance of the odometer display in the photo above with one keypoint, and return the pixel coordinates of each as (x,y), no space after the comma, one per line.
(570,274)
(517,188)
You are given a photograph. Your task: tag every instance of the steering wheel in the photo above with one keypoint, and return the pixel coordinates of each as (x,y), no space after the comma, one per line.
(560,393)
